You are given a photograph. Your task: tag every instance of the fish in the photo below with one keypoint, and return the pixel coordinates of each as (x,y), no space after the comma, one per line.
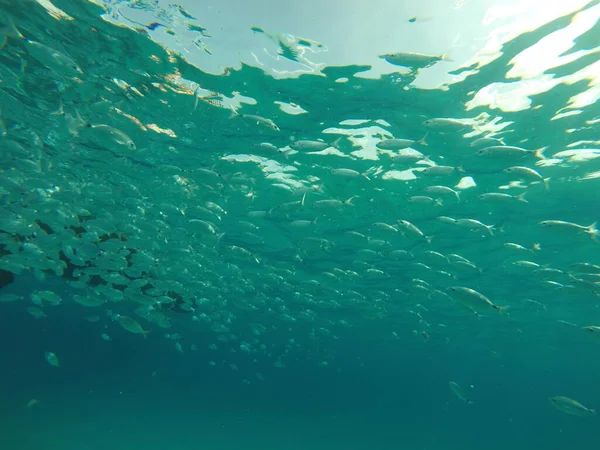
(475,225)
(109,137)
(443,191)
(58,62)
(251,119)
(413,60)
(312,146)
(395,144)
(501,197)
(131,325)
(571,407)
(460,393)
(561,225)
(509,152)
(473,299)
(486,141)
(445,124)
(412,229)
(440,171)
(52,359)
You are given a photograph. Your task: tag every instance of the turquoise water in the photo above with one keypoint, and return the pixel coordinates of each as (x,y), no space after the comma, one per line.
(244,258)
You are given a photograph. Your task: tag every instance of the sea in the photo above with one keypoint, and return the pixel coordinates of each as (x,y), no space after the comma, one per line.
(311,225)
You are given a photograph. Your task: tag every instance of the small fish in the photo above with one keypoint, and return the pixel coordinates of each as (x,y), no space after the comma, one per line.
(501,197)
(560,225)
(107,135)
(459,392)
(131,325)
(413,60)
(473,299)
(8,28)
(527,174)
(31,403)
(52,359)
(570,406)
(36,312)
(407,226)
(586,267)
(440,171)
(394,144)
(442,190)
(348,173)
(488,142)
(424,200)
(474,225)
(445,124)
(509,151)
(332,203)
(312,146)
(407,155)
(53,59)
(255,120)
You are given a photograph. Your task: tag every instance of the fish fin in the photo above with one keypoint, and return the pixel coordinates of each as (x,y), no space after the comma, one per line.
(422,140)
(349,201)
(522,198)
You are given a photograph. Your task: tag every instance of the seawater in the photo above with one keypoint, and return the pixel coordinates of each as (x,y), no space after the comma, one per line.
(332,332)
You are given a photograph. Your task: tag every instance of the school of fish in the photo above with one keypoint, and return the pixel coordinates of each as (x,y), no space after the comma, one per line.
(211,211)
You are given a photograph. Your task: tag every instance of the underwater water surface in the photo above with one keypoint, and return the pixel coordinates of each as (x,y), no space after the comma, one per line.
(221,235)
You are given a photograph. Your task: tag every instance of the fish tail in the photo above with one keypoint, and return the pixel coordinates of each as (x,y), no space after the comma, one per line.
(546,183)
(593,231)
(539,153)
(422,141)
(145,333)
(336,143)
(501,309)
(522,198)
(234,113)
(349,201)
(457,195)
(428,239)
